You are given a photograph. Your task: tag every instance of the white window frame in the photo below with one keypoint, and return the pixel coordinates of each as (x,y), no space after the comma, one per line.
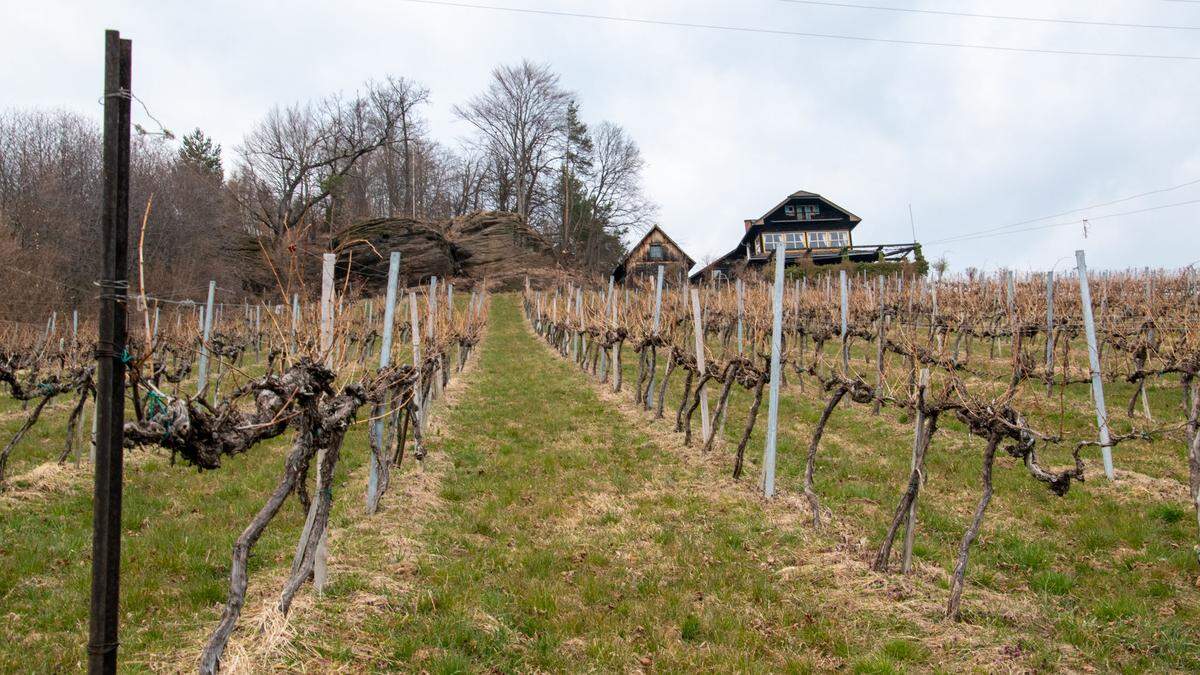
(809,212)
(829,239)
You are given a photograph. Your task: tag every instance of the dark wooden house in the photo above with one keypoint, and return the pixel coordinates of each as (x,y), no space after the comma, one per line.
(654,249)
(808,227)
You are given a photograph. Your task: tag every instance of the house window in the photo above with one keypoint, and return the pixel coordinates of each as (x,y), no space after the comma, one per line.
(809,212)
(657,252)
(789,240)
(836,239)
(789,210)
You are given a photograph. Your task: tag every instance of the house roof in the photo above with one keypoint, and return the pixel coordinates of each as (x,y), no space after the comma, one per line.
(625,258)
(804,194)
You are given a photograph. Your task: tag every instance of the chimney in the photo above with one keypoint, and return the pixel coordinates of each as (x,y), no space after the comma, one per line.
(748,224)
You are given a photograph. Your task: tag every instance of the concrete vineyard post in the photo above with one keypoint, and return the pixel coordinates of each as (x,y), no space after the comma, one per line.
(1089,327)
(328,260)
(769,446)
(295,318)
(415,330)
(379,427)
(910,526)
(741,312)
(616,348)
(845,324)
(655,322)
(698,323)
(202,375)
(1049,331)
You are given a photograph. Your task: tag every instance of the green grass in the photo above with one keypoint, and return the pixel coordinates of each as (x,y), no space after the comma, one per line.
(178,525)
(561,536)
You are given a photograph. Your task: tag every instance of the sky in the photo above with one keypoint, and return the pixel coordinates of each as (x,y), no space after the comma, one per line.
(978,141)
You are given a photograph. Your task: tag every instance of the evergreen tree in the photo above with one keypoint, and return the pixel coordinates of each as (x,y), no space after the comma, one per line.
(575,210)
(199,152)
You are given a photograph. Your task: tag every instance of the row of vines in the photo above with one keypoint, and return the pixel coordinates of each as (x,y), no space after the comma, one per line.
(254,373)
(994,354)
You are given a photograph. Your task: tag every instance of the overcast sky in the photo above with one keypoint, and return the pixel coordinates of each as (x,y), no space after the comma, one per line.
(730,122)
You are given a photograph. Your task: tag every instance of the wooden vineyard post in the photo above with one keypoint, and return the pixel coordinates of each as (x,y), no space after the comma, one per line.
(379,427)
(110,367)
(698,323)
(845,324)
(202,375)
(1049,332)
(1089,327)
(768,475)
(319,567)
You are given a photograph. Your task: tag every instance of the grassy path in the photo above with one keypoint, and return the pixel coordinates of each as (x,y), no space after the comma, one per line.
(563,538)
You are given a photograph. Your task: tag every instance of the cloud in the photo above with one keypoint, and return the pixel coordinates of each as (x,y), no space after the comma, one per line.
(729,123)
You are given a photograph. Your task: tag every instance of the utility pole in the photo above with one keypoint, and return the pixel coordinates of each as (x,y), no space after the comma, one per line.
(110,350)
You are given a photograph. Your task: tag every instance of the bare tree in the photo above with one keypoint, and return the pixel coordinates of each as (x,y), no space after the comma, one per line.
(400,97)
(520,118)
(299,156)
(615,181)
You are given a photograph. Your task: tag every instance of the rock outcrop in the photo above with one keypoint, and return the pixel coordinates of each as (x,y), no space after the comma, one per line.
(494,247)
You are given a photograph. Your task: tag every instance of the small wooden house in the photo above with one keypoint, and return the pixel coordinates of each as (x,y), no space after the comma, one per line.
(654,249)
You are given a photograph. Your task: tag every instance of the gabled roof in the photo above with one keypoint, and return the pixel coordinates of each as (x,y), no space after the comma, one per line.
(625,258)
(804,194)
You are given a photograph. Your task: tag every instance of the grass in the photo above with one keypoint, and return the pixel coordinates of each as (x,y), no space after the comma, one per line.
(550,531)
(179,527)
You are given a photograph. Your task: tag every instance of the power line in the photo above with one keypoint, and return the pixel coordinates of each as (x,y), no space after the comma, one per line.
(1002,17)
(790,33)
(1068,212)
(970,237)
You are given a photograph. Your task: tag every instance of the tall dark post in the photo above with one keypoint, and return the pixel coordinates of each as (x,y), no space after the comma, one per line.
(110,366)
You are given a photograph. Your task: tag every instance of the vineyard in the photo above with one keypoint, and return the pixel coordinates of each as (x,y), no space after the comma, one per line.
(365,402)
(936,471)
(211,383)
(1003,367)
